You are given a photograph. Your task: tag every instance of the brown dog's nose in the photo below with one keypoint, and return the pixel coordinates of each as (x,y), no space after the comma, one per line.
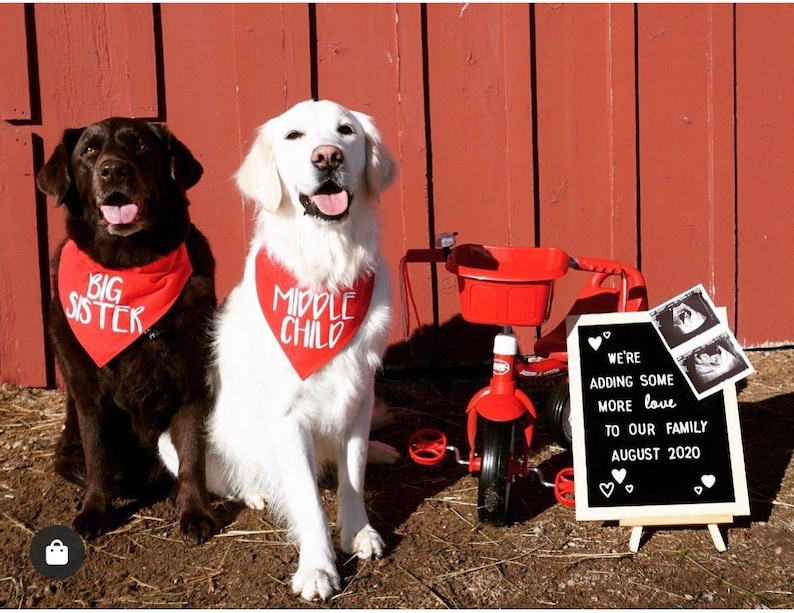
(113,170)
(327,157)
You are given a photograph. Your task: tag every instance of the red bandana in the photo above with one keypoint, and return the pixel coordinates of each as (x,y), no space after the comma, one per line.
(108,309)
(311,327)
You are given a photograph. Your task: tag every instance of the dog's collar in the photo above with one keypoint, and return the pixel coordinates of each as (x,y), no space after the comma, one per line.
(107,308)
(152,334)
(310,326)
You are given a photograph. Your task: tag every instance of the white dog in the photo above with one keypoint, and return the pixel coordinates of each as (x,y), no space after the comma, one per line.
(298,341)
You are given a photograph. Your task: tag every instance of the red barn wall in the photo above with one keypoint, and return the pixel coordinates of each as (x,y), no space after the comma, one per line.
(661,135)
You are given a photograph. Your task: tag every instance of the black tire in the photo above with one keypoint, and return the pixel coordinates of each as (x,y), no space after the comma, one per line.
(494,489)
(558,416)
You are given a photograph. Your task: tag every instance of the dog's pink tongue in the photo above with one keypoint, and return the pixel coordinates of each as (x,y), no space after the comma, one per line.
(120,215)
(331,204)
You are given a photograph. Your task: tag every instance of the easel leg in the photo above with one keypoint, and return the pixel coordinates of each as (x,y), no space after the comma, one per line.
(716,536)
(634,540)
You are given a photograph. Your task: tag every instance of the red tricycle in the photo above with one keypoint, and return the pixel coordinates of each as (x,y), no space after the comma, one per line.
(506,287)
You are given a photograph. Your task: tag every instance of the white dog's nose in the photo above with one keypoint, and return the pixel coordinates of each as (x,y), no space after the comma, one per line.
(327,157)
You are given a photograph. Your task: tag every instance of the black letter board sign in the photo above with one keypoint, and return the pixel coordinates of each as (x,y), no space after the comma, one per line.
(644,445)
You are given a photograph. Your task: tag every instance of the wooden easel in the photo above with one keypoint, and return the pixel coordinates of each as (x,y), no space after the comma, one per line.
(637,524)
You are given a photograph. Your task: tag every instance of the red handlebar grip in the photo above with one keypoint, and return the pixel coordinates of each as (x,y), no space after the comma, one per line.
(610,267)
(425,255)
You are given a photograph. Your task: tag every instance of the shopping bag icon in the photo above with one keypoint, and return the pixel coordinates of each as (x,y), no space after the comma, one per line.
(56,554)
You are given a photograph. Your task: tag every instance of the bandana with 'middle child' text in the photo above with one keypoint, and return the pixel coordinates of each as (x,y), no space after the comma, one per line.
(108,309)
(311,327)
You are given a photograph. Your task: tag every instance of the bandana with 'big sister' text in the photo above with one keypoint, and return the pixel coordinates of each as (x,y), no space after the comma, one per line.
(311,327)
(107,308)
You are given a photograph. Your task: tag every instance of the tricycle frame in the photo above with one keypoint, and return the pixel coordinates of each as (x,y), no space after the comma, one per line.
(490,275)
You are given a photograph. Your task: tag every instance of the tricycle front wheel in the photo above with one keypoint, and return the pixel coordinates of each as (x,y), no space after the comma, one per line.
(495,477)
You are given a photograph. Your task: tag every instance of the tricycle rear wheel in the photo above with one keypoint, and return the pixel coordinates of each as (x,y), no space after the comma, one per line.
(558,416)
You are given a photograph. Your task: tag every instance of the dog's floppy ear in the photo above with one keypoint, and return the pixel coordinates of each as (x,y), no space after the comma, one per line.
(258,177)
(185,169)
(55,177)
(381,167)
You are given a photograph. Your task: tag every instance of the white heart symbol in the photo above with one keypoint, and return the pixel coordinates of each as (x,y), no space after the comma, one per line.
(619,475)
(607,334)
(708,480)
(595,342)
(698,489)
(607,489)
(630,488)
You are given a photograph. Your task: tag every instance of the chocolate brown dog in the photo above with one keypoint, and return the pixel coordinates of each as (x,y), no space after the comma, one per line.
(133,297)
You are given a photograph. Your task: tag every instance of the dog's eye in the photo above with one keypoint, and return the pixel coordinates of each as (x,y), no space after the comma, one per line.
(89,151)
(345,129)
(141,147)
(293,135)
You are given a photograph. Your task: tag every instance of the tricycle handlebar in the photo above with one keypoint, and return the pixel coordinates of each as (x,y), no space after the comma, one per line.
(436,255)
(426,255)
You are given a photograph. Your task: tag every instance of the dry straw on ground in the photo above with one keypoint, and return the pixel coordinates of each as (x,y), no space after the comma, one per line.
(439,555)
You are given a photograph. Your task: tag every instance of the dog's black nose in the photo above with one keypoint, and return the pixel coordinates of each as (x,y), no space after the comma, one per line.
(113,170)
(327,157)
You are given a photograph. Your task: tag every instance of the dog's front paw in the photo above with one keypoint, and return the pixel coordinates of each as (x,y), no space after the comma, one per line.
(366,544)
(91,523)
(254,501)
(311,583)
(197,526)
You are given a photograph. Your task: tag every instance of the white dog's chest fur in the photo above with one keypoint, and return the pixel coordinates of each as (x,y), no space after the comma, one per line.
(326,404)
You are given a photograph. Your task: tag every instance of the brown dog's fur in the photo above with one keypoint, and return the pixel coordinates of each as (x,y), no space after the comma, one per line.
(115,414)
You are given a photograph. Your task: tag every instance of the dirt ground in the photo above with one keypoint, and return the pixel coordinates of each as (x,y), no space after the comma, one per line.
(439,555)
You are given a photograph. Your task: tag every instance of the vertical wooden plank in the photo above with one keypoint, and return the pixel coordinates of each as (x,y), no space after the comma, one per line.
(22,336)
(14,80)
(518,149)
(586,129)
(280,33)
(75,77)
(586,135)
(519,156)
(91,57)
(354,43)
(481,126)
(479,81)
(407,211)
(199,65)
(273,66)
(686,149)
(765,182)
(133,61)
(74,80)
(204,110)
